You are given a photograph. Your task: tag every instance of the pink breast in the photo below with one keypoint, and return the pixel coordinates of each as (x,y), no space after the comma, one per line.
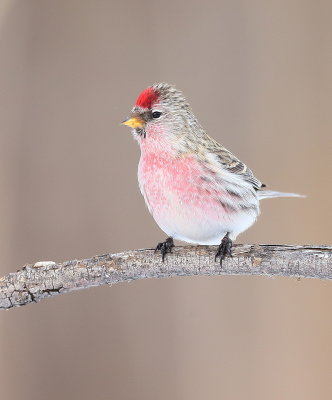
(180,183)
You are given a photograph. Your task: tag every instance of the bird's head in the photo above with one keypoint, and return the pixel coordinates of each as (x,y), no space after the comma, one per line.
(161,114)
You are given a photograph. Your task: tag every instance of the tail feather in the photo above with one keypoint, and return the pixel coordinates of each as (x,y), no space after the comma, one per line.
(269,194)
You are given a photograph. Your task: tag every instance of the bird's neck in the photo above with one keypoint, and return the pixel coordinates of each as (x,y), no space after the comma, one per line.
(157,141)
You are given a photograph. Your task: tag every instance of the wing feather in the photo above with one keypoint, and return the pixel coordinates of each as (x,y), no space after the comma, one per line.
(234,165)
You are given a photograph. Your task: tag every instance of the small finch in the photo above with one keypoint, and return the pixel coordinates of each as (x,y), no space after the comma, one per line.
(196,190)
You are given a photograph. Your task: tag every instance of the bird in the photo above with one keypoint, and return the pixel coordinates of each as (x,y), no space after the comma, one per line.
(196,190)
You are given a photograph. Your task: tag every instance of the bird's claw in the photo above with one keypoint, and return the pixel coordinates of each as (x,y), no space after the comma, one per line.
(165,247)
(224,249)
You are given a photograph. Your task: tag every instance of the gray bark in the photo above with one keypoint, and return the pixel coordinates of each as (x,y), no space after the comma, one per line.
(46,279)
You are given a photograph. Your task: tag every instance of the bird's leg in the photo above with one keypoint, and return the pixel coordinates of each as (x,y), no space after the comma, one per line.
(165,247)
(225,248)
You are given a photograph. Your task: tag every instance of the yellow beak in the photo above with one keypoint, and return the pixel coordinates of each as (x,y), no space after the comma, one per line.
(134,122)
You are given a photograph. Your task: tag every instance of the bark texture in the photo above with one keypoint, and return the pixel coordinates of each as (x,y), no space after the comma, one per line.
(45,279)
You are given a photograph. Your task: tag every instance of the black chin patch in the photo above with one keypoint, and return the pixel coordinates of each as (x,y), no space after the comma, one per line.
(141,132)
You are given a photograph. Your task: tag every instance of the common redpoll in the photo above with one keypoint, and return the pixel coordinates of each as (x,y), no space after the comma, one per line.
(196,190)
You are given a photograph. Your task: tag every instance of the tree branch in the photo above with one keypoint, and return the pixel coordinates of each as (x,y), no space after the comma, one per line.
(45,279)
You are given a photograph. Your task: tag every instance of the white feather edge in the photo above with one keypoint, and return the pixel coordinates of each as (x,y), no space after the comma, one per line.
(270,194)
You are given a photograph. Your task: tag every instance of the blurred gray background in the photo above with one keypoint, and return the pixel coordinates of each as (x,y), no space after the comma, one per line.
(258,77)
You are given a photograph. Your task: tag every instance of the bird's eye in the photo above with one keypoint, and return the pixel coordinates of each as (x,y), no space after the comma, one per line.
(156,114)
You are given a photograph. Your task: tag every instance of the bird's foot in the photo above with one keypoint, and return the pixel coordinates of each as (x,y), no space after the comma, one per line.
(165,247)
(224,249)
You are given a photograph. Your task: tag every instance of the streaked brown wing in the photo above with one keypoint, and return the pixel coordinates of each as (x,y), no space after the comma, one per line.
(233,164)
